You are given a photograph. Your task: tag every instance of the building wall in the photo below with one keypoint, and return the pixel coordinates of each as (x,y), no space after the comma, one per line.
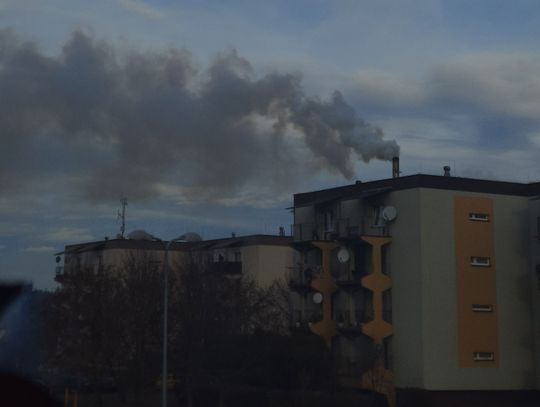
(266,264)
(407,343)
(516,341)
(116,258)
(515,368)
(534,278)
(435,329)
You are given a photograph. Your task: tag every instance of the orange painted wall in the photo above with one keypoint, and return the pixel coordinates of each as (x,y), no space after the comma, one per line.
(477,331)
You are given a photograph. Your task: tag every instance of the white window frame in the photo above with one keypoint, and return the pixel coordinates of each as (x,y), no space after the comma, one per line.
(480,261)
(484,356)
(482,308)
(478,217)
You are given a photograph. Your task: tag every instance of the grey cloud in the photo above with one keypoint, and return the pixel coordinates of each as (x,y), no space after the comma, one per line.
(40,249)
(66,234)
(493,100)
(122,122)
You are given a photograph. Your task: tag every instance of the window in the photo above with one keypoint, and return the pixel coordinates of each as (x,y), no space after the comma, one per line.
(479,261)
(483,356)
(329,221)
(478,217)
(154,265)
(482,308)
(237,256)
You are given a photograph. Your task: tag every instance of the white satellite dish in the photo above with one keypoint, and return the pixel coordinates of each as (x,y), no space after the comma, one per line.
(140,234)
(318,298)
(343,255)
(389,213)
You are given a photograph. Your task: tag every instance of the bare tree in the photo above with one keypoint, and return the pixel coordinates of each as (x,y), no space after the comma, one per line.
(82,330)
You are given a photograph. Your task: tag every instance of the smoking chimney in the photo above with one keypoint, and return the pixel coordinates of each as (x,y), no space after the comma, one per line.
(446,169)
(395,167)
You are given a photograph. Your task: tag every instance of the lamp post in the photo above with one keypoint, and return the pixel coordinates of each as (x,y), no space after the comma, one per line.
(164,374)
(141,235)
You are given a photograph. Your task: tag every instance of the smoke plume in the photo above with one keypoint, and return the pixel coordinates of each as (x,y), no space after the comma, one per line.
(109,120)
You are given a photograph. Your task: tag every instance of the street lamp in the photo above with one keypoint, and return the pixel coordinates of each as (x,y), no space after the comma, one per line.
(142,235)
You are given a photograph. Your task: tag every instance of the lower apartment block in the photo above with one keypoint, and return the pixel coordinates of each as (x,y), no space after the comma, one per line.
(422,282)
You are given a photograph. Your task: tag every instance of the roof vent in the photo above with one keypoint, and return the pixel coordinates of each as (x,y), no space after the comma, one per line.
(446,169)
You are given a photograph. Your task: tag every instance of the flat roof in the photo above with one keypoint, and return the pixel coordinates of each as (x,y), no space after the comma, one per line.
(364,189)
(126,244)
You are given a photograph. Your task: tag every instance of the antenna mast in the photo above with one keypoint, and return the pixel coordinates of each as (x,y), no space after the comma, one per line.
(122,216)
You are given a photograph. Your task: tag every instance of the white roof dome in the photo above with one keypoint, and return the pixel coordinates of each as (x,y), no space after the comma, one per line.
(190,237)
(140,234)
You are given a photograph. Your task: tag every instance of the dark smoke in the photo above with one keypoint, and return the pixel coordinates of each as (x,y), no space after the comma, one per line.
(112,120)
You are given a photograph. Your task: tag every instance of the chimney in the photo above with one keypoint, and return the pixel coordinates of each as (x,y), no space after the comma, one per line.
(446,169)
(395,167)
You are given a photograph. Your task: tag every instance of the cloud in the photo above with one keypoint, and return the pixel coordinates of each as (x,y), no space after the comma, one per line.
(505,84)
(489,101)
(382,90)
(142,8)
(121,122)
(39,249)
(69,234)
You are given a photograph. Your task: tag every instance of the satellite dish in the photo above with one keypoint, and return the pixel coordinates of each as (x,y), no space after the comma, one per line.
(140,234)
(389,213)
(343,255)
(190,237)
(318,298)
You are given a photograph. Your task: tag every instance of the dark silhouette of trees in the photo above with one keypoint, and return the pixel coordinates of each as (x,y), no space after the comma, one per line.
(82,331)
(105,328)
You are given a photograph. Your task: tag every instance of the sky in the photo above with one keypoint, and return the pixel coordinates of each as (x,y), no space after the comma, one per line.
(209,115)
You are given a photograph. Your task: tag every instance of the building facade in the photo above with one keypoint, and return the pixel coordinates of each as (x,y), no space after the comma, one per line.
(423,282)
(264,258)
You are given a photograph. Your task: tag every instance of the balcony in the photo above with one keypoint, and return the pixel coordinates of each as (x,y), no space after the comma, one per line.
(349,282)
(303,320)
(346,322)
(301,276)
(341,229)
(61,275)
(301,326)
(299,285)
(226,267)
(349,328)
(303,231)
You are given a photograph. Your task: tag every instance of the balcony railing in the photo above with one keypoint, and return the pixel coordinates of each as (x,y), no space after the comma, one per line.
(349,328)
(299,284)
(303,326)
(344,228)
(348,282)
(226,267)
(300,277)
(303,320)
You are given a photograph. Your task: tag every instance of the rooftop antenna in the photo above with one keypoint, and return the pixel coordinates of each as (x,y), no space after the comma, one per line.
(122,216)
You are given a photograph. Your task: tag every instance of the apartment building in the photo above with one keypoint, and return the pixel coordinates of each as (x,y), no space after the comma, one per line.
(422,282)
(264,258)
